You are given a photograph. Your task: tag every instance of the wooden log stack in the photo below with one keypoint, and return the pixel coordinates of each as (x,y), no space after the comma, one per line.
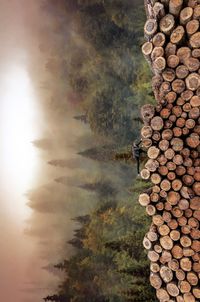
(171,136)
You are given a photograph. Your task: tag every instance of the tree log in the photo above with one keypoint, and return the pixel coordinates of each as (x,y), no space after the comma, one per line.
(186,15)
(192,64)
(173,61)
(159,40)
(193,81)
(171,135)
(195,40)
(166,242)
(196,14)
(172,289)
(159,10)
(157,123)
(182,71)
(175,7)
(167,24)
(192,27)
(150,27)
(144,199)
(162,295)
(186,264)
(153,152)
(166,274)
(177,35)
(155,281)
(183,53)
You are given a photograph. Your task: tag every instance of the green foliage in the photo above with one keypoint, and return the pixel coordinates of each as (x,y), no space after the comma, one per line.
(107,79)
(111,264)
(105,67)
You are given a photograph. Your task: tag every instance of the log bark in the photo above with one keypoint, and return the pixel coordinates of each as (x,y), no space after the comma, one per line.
(182,71)
(147,243)
(196,14)
(192,27)
(159,40)
(186,264)
(192,64)
(183,53)
(175,7)
(155,280)
(159,10)
(147,49)
(171,136)
(167,24)
(177,35)
(166,274)
(153,152)
(145,174)
(186,15)
(162,295)
(173,61)
(150,27)
(144,199)
(166,242)
(193,81)
(172,289)
(195,40)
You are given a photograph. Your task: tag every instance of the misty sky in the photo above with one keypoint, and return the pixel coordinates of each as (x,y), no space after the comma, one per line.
(18,114)
(30,240)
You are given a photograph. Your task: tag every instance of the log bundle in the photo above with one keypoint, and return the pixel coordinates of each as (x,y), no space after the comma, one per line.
(171,136)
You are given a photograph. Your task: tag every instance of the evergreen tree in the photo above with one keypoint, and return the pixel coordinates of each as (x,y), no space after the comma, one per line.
(102,188)
(82,118)
(100,153)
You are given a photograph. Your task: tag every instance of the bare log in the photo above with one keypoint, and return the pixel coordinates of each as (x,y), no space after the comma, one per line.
(175,7)
(186,15)
(183,53)
(173,61)
(155,280)
(159,10)
(195,40)
(192,27)
(186,264)
(159,40)
(196,14)
(150,27)
(193,81)
(166,242)
(157,123)
(177,35)
(144,199)
(153,152)
(172,289)
(171,135)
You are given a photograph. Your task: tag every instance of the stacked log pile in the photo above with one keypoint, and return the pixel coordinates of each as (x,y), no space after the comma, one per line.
(171,136)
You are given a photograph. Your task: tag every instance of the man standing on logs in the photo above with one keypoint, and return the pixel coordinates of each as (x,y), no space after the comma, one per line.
(136,151)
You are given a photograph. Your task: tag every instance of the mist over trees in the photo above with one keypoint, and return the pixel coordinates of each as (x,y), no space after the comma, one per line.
(92,82)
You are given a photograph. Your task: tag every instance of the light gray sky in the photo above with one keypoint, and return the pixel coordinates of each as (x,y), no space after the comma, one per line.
(18,159)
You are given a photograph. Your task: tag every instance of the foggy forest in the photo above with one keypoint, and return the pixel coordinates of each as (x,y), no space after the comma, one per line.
(83,236)
(93,80)
(99,117)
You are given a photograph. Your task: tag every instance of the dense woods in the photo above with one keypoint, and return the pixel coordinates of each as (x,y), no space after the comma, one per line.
(106,76)
(171,137)
(96,71)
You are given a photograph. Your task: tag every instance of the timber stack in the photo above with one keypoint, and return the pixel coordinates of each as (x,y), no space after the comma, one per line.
(171,136)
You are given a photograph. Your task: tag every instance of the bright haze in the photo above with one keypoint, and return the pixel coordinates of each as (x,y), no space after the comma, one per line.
(30,241)
(19,120)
